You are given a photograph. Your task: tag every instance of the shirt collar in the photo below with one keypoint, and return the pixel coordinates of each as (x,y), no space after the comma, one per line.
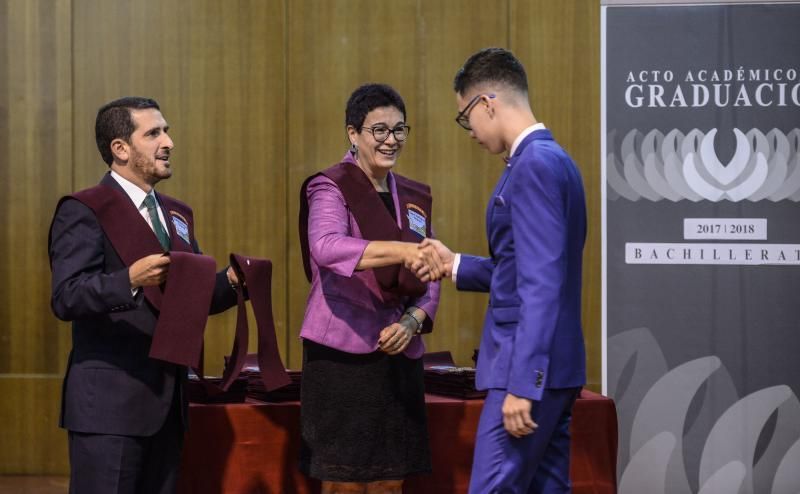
(523,135)
(136,194)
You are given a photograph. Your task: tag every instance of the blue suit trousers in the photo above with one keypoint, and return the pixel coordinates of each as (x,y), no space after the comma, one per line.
(534,464)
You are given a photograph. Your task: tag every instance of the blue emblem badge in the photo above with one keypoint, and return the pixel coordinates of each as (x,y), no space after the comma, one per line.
(416,220)
(181,227)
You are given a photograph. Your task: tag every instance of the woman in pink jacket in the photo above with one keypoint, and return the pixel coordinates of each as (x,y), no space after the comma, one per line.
(363,408)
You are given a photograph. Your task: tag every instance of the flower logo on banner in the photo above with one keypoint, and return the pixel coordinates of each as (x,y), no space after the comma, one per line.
(686,429)
(677,166)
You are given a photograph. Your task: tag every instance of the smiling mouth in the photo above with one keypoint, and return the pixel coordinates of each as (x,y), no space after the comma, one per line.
(388,152)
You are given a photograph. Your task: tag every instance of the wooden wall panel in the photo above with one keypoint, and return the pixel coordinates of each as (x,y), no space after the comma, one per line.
(35,151)
(35,162)
(217,70)
(33,444)
(559,44)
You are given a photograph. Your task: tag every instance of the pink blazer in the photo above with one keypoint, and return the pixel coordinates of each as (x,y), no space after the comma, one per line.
(345,308)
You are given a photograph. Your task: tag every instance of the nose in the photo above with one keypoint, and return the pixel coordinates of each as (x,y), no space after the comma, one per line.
(167,142)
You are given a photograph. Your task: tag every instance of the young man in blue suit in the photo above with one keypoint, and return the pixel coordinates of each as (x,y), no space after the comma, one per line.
(532,358)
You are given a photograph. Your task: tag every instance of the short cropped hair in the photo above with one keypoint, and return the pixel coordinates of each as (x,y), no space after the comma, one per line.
(368,97)
(114,121)
(491,65)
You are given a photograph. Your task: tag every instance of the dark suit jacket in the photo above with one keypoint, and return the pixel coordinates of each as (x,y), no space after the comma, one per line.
(536,226)
(111,385)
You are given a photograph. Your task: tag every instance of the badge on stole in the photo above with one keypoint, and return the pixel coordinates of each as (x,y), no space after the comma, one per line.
(181,226)
(416,219)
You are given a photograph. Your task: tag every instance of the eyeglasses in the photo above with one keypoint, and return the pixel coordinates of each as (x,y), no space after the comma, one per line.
(462,118)
(381,132)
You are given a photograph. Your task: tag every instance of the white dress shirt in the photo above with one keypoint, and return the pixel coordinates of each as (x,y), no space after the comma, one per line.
(137,195)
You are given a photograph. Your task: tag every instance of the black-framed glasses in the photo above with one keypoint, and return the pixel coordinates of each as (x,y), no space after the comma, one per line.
(381,132)
(462,118)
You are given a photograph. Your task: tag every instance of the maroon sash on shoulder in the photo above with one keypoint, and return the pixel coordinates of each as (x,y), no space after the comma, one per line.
(183,301)
(129,234)
(375,222)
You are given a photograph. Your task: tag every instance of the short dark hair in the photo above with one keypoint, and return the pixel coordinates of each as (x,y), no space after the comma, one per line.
(114,122)
(491,65)
(368,97)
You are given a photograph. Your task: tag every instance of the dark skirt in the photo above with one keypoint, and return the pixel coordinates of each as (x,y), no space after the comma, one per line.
(362,416)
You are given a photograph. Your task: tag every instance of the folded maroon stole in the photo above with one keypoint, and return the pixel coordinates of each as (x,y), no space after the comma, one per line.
(256,275)
(185,304)
(375,222)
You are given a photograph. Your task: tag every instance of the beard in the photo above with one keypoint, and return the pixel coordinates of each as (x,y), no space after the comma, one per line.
(148,168)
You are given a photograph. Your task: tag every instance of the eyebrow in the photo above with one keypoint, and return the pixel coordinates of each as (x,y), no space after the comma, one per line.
(151,130)
(401,122)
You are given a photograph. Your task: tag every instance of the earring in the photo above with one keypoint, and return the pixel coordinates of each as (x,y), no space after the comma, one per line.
(354,149)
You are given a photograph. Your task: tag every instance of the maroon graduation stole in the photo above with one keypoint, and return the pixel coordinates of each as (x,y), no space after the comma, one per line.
(178,336)
(182,302)
(256,275)
(129,234)
(376,223)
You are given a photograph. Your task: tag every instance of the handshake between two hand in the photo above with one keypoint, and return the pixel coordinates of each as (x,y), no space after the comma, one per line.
(429,260)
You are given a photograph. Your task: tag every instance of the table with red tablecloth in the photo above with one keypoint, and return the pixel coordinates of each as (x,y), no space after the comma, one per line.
(253,447)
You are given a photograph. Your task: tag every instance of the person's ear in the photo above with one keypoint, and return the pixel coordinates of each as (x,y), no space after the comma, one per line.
(120,149)
(352,134)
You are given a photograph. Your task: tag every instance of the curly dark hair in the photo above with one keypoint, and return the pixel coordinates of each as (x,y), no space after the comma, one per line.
(368,97)
(114,122)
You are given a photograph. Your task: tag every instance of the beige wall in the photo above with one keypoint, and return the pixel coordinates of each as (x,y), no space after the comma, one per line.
(254,92)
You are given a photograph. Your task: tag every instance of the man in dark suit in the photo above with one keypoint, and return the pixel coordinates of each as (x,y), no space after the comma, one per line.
(531,358)
(125,412)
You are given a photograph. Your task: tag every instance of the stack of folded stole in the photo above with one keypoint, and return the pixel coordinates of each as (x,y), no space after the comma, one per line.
(443,377)
(210,392)
(256,390)
(254,386)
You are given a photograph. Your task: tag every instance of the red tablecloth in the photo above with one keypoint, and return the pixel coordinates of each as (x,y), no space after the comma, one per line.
(253,448)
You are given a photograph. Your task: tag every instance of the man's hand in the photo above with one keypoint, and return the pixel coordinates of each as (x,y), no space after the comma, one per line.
(424,263)
(149,271)
(446,256)
(395,338)
(232,278)
(517,416)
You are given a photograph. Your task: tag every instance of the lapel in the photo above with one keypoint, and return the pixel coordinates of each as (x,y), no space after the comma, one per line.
(497,195)
(390,181)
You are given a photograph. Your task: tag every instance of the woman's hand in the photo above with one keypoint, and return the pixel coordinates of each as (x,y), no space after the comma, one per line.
(395,338)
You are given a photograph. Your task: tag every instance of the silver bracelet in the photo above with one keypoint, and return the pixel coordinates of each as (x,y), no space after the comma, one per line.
(419,323)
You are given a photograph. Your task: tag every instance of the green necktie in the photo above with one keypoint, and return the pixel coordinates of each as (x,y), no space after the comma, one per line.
(158,228)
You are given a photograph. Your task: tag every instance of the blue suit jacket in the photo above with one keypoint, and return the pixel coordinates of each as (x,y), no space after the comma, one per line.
(536,226)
